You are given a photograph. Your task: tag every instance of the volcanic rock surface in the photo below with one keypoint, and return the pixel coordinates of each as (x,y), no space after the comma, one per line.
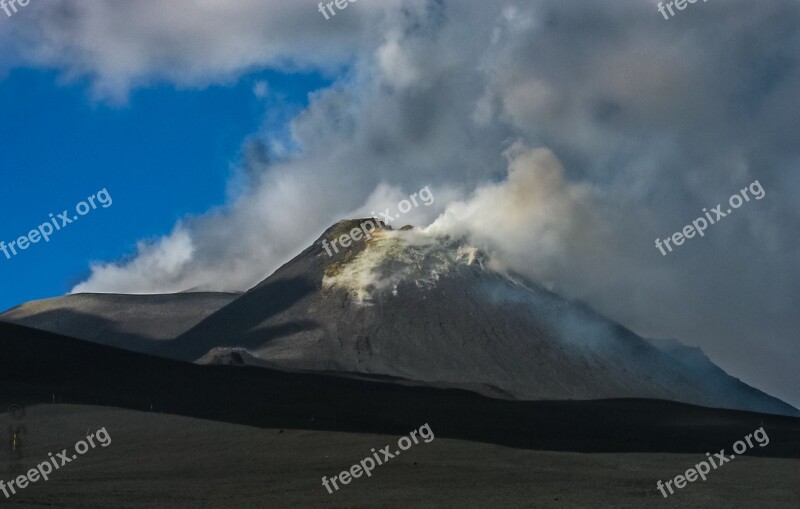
(132,322)
(411,305)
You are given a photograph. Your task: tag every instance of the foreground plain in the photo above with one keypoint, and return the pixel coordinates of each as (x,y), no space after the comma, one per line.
(158,460)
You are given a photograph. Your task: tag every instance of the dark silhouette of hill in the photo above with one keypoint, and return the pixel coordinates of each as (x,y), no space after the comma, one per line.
(37,366)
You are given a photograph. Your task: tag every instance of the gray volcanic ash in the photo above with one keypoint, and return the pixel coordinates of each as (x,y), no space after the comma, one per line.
(409,304)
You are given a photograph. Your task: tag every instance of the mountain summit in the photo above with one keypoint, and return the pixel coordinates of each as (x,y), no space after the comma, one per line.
(432,310)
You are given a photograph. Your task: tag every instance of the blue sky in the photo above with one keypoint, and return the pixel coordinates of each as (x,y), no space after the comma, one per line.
(165,154)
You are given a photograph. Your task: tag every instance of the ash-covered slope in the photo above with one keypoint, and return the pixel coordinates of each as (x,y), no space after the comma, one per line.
(407,304)
(132,322)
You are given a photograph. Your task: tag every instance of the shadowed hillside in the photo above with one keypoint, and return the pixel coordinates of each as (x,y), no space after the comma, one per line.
(36,366)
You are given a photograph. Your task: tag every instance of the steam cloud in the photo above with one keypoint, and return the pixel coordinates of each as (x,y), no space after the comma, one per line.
(565,136)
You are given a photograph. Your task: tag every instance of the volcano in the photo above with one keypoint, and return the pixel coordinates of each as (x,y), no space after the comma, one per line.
(425,309)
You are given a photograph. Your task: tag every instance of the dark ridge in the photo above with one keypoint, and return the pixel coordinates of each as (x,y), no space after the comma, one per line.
(35,366)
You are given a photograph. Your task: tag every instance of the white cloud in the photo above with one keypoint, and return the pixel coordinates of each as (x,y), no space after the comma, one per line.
(261,89)
(190,43)
(160,262)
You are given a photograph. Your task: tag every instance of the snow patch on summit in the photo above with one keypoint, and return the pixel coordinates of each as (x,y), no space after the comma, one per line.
(392,257)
